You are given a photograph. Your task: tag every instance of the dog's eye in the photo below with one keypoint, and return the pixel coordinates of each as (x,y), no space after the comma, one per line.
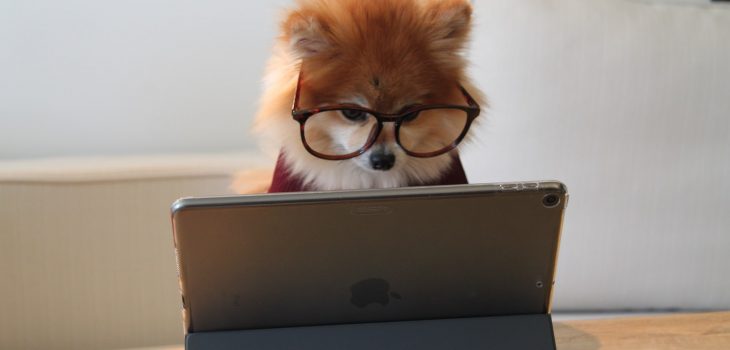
(410,116)
(354,115)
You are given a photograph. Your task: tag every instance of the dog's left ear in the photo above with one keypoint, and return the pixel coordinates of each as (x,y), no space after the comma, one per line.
(450,22)
(306,34)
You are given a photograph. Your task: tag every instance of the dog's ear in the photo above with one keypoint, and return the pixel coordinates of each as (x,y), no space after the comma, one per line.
(305,34)
(450,22)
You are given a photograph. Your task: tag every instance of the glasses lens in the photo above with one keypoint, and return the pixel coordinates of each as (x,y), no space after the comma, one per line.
(432,130)
(339,133)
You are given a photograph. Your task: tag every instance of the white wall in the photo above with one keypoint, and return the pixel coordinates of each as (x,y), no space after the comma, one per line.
(628,103)
(84,77)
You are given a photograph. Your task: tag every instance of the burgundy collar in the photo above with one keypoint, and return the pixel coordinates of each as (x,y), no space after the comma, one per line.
(285,181)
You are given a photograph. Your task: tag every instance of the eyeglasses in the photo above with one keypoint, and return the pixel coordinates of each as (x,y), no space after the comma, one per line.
(344,131)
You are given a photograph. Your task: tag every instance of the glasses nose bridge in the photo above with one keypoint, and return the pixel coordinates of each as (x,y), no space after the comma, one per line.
(386,132)
(388,117)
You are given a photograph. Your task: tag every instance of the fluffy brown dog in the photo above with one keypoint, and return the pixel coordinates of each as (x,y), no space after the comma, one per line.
(364,72)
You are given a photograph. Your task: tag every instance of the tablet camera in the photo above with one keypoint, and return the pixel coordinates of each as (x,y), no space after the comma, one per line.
(551,200)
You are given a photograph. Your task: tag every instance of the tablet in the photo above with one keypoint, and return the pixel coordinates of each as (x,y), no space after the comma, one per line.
(334,258)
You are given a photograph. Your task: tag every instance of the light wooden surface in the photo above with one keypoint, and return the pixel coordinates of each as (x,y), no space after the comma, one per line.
(686,331)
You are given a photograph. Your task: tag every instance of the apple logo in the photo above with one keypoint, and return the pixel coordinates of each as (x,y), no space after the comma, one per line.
(372,291)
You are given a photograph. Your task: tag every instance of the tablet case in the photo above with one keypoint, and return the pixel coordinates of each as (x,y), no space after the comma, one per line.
(496,244)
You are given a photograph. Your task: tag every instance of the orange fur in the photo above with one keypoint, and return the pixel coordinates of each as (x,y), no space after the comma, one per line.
(389,53)
(252,181)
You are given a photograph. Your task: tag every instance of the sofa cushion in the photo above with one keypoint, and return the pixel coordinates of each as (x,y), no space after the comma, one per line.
(86,251)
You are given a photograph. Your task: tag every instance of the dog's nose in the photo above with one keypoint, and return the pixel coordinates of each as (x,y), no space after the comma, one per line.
(382,161)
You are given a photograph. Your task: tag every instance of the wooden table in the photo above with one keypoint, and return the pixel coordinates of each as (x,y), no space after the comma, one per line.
(684,331)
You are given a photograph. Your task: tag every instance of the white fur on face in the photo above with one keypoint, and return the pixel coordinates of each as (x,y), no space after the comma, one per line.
(349,137)
(346,135)
(357,173)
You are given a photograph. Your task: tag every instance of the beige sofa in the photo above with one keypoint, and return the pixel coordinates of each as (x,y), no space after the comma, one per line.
(86,257)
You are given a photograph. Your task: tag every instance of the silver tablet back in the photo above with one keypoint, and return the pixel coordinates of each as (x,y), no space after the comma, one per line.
(306,259)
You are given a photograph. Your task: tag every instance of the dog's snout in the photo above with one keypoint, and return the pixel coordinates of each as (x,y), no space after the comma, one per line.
(382,161)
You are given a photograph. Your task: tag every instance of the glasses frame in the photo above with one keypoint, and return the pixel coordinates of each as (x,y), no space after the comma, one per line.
(302,115)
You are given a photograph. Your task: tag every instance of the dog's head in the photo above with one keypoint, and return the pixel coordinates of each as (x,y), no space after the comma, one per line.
(385,56)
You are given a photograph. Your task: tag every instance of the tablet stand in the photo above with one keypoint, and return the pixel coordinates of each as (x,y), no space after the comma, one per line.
(533,332)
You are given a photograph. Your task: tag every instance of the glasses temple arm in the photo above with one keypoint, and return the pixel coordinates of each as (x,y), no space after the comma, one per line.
(295,104)
(470,100)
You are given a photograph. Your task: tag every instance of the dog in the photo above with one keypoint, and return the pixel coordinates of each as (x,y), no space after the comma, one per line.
(380,93)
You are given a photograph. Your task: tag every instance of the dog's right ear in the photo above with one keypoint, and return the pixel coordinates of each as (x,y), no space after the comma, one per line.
(450,23)
(306,34)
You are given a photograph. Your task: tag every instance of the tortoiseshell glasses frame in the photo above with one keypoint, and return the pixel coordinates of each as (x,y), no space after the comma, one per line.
(472,111)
